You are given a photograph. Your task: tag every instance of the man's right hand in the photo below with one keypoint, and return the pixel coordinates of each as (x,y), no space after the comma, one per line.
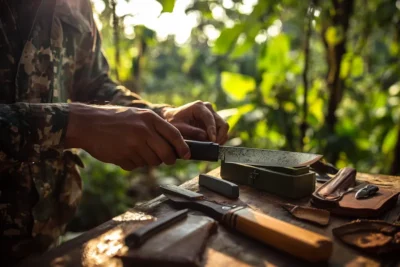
(125,136)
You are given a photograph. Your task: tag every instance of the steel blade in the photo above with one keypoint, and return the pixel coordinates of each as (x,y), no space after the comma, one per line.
(264,157)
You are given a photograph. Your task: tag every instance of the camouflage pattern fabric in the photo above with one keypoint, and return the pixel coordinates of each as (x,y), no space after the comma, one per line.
(50,53)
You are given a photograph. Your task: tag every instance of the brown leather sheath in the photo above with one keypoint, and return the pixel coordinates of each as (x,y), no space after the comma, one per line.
(377,237)
(338,197)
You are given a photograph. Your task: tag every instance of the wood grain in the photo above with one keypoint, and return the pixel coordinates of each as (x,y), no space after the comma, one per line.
(287,237)
(228,248)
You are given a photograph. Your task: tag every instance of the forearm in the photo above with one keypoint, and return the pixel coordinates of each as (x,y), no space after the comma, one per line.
(32,131)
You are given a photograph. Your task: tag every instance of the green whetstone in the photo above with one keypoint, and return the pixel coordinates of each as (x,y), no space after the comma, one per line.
(290,171)
(225,188)
(286,182)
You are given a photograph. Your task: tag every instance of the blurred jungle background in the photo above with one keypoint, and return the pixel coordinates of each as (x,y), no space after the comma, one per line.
(314,76)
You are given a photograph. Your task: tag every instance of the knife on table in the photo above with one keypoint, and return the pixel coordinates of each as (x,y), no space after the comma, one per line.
(284,236)
(209,151)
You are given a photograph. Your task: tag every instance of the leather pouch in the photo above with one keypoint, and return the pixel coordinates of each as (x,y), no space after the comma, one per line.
(377,237)
(338,196)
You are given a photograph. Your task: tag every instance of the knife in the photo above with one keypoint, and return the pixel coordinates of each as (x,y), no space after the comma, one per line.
(209,151)
(284,236)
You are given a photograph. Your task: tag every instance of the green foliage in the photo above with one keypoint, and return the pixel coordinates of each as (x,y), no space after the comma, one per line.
(334,35)
(253,73)
(276,57)
(227,39)
(236,85)
(168,5)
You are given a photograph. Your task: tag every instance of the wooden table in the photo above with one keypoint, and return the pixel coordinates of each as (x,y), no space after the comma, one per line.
(95,247)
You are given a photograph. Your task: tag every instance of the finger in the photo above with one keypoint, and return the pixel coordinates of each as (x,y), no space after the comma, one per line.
(163,149)
(151,157)
(221,125)
(224,140)
(222,130)
(191,132)
(173,137)
(205,115)
(137,159)
(127,165)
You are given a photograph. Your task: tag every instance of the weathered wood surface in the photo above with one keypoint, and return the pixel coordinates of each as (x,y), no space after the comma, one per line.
(225,248)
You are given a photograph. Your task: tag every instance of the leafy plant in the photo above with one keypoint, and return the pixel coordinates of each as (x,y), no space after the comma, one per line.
(314,76)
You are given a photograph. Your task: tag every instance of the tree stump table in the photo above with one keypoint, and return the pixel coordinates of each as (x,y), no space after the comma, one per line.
(225,248)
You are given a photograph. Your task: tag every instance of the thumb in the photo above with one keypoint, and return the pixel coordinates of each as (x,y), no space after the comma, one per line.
(191,132)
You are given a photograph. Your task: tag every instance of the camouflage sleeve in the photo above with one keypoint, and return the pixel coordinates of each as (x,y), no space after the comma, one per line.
(93,84)
(31,131)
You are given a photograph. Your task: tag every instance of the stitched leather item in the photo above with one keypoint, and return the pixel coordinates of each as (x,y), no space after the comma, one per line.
(376,237)
(338,196)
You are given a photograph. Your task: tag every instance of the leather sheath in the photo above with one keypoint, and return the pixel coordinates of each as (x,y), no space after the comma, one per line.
(182,244)
(338,196)
(377,237)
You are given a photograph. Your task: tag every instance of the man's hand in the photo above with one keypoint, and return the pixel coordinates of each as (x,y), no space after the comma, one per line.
(127,137)
(198,121)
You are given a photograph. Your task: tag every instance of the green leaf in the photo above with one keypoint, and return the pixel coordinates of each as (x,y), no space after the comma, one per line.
(357,66)
(268,81)
(242,110)
(242,48)
(227,39)
(345,65)
(363,143)
(247,43)
(390,140)
(334,35)
(168,5)
(261,129)
(237,85)
(317,109)
(276,138)
(276,58)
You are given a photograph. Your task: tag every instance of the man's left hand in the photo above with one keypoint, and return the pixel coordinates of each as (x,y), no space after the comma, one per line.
(198,121)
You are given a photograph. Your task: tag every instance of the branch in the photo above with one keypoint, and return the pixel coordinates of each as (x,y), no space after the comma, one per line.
(115,22)
(343,11)
(308,30)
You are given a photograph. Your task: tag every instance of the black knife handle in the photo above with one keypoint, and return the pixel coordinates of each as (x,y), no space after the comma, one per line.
(207,151)
(138,237)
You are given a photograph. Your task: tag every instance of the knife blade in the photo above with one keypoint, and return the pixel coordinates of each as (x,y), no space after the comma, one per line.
(209,151)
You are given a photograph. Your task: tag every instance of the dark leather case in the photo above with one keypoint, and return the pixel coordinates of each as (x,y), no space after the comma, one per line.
(336,197)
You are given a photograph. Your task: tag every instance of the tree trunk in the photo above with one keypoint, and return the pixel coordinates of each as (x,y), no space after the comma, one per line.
(115,22)
(343,9)
(309,18)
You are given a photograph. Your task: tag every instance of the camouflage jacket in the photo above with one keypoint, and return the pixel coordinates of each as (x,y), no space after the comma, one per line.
(50,53)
